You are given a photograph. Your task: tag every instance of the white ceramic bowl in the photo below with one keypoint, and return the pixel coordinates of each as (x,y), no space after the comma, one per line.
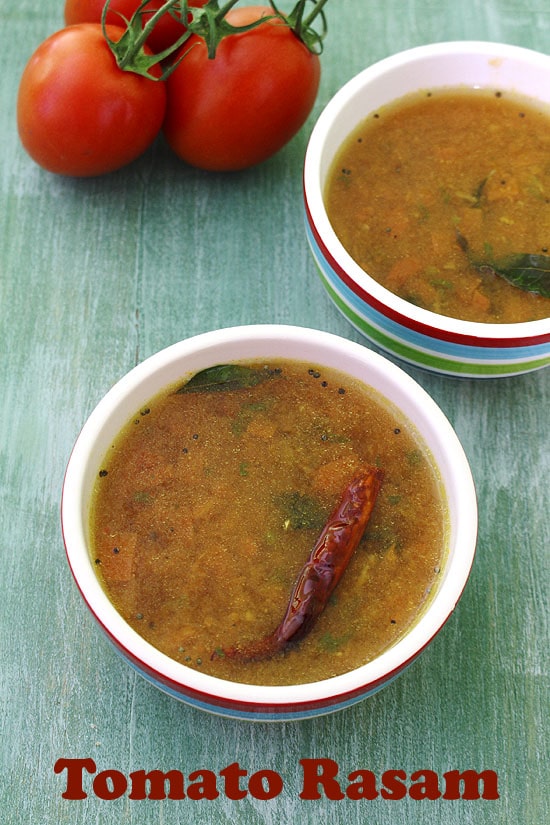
(414,334)
(242,343)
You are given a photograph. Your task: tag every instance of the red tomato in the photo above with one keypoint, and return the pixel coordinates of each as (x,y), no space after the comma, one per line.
(77,112)
(241,107)
(166,31)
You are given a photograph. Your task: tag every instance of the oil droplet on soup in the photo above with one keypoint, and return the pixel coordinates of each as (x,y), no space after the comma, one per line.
(207,505)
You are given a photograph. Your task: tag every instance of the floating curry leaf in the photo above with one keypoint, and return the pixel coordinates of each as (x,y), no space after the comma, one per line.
(462,242)
(301,511)
(331,643)
(528,272)
(225,377)
(247,412)
(478,192)
(524,271)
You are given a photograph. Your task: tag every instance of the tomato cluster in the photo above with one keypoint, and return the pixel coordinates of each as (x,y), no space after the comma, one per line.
(80,114)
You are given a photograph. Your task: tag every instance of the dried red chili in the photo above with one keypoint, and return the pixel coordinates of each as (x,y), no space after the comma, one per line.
(323,570)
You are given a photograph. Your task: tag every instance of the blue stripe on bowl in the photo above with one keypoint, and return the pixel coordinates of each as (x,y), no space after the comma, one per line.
(419,349)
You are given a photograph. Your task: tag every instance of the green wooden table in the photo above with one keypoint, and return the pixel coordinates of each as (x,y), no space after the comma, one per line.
(96,275)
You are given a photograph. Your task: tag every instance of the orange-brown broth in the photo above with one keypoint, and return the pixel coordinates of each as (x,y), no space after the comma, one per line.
(432,164)
(192,531)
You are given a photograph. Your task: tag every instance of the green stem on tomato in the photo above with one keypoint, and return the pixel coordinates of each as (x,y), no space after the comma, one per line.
(129,50)
(153,20)
(303,26)
(317,10)
(209,23)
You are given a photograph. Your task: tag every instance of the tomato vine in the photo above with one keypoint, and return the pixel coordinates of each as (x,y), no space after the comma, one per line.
(210,24)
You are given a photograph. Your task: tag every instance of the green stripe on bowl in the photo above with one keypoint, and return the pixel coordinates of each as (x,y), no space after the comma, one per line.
(425,359)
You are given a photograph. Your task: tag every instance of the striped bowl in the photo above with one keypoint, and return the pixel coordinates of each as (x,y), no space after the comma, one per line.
(244,701)
(418,336)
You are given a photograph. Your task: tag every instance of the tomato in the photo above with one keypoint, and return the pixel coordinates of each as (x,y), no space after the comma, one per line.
(166,31)
(238,109)
(77,112)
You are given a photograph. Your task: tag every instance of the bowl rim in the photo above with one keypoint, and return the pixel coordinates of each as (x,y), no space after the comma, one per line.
(370,290)
(84,462)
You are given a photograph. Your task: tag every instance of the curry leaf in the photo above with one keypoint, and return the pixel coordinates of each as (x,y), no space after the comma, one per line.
(225,377)
(528,272)
(301,511)
(524,271)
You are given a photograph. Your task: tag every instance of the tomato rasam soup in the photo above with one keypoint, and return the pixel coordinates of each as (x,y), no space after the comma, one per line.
(443,197)
(209,502)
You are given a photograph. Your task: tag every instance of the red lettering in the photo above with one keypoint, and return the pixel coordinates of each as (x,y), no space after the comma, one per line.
(470,781)
(428,789)
(156,780)
(272,787)
(320,772)
(75,769)
(109,784)
(364,788)
(393,787)
(206,788)
(231,775)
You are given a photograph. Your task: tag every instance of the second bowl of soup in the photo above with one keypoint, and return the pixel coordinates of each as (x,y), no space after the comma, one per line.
(427,195)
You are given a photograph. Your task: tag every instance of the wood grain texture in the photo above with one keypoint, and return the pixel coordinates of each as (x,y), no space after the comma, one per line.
(97,275)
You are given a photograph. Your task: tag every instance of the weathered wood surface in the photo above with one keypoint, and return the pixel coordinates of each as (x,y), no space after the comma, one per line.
(96,275)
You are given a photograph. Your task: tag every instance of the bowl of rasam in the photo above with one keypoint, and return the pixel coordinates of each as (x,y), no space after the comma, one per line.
(269,522)
(427,201)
